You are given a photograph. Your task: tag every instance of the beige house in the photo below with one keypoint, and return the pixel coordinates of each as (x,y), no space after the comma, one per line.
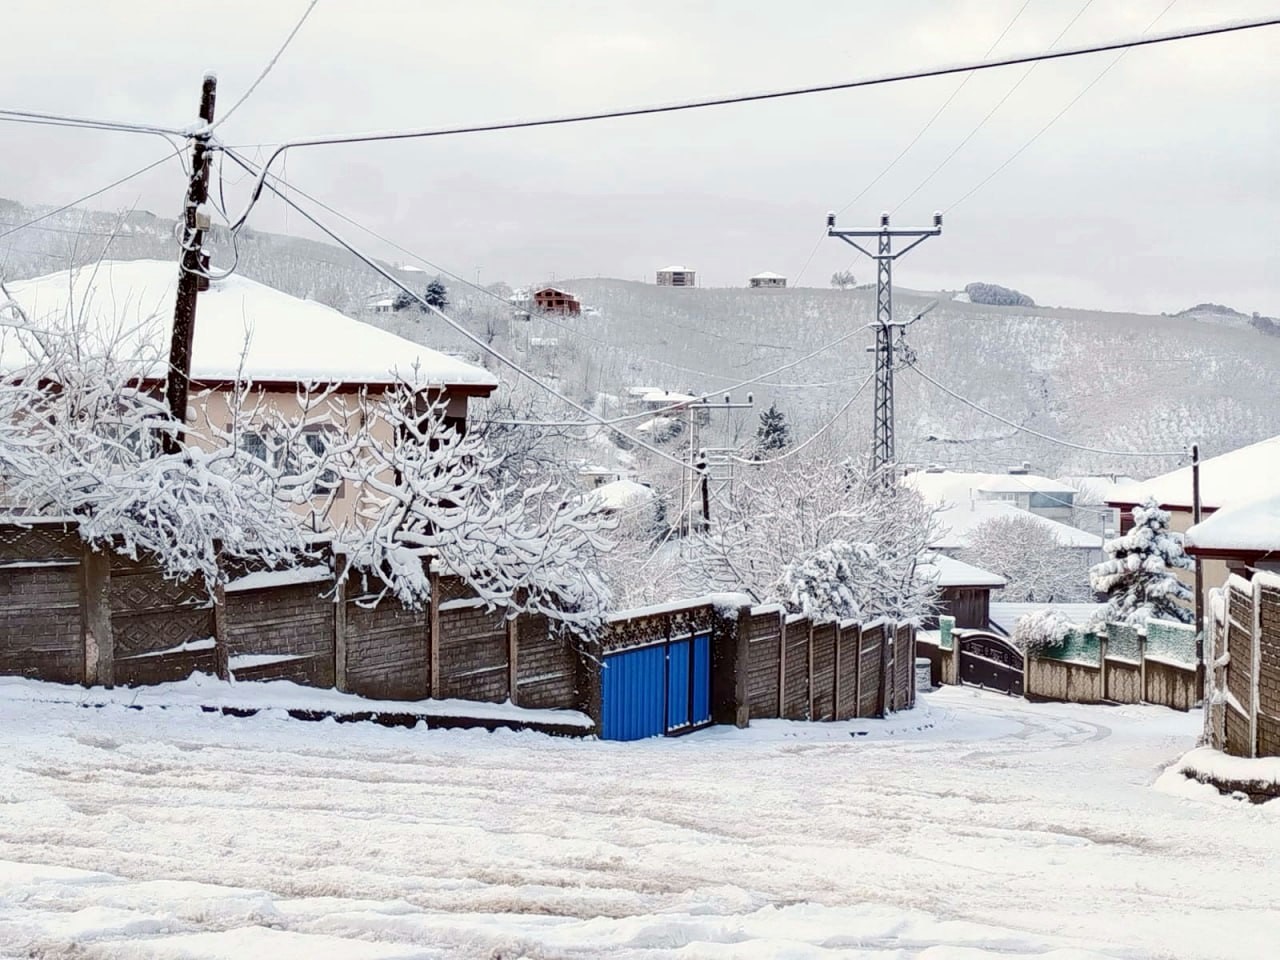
(244,331)
(1237,477)
(677,276)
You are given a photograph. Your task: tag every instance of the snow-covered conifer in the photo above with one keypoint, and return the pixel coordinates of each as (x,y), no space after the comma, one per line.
(1138,574)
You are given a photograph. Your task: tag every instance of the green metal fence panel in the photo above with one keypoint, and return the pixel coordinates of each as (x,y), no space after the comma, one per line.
(1171,641)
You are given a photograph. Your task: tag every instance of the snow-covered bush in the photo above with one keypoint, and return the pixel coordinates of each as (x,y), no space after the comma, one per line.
(1138,574)
(832,582)
(1041,631)
(996,295)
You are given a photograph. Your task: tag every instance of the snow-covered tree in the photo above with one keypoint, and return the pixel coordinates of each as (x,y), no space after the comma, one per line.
(819,533)
(436,295)
(843,279)
(1138,574)
(774,433)
(429,501)
(79,438)
(1036,566)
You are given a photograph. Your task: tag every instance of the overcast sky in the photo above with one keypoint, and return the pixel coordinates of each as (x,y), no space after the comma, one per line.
(1159,188)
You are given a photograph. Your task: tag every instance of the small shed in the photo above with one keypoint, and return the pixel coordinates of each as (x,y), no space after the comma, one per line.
(964,591)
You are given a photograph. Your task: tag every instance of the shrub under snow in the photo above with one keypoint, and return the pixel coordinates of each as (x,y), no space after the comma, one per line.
(1041,631)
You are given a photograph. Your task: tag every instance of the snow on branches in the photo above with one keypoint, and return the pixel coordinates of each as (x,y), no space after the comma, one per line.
(80,438)
(1139,573)
(1042,630)
(430,497)
(1036,567)
(822,536)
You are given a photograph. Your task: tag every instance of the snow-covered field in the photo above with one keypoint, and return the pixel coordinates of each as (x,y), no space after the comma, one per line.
(973,827)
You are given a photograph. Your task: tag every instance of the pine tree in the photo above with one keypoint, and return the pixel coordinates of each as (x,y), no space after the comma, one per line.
(436,295)
(773,432)
(1138,575)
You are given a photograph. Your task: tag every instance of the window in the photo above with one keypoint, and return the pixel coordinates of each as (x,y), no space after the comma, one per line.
(317,442)
(255,445)
(1048,500)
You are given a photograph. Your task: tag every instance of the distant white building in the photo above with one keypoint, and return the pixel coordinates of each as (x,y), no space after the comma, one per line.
(768,279)
(677,276)
(1051,499)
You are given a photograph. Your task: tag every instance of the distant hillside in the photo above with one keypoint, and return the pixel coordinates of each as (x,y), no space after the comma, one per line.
(1103,380)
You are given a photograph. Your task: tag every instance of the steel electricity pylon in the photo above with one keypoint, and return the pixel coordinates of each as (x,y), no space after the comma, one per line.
(882,440)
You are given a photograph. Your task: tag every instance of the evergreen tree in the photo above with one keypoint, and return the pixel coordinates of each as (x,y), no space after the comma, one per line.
(1138,575)
(436,295)
(403,300)
(773,432)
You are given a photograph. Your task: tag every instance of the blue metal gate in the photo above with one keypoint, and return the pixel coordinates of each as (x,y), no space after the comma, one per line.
(663,689)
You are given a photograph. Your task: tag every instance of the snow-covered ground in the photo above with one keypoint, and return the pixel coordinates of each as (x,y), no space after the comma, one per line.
(973,827)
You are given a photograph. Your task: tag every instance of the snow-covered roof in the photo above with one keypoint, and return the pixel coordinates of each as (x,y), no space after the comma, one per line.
(1005,616)
(957,522)
(620,493)
(955,486)
(1024,483)
(1250,526)
(949,572)
(1094,489)
(129,304)
(659,395)
(1244,474)
(675,269)
(768,275)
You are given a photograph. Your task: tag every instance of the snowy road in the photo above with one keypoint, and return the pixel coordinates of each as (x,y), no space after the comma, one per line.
(976,826)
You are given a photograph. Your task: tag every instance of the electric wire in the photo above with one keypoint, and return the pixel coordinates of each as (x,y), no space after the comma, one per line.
(1054,119)
(479,342)
(1036,433)
(119,126)
(270,64)
(89,196)
(990,113)
(928,124)
(395,135)
(819,432)
(547,318)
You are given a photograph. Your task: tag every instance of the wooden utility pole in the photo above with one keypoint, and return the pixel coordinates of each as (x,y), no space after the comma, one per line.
(192,266)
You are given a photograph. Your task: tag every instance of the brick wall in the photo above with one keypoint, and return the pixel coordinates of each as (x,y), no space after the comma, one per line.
(294,619)
(764,644)
(824,671)
(1269,671)
(795,673)
(40,623)
(387,652)
(546,666)
(473,652)
(869,671)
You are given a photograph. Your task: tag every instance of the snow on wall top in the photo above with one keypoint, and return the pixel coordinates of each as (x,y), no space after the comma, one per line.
(1248,525)
(130,304)
(957,523)
(1247,473)
(949,572)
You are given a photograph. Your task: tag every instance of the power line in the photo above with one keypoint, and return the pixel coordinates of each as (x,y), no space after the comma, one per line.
(564,326)
(1221,28)
(496,354)
(1036,433)
(990,113)
(270,64)
(819,432)
(1055,118)
(89,196)
(928,124)
(56,119)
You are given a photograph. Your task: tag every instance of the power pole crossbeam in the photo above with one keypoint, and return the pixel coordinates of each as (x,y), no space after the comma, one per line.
(883,446)
(192,266)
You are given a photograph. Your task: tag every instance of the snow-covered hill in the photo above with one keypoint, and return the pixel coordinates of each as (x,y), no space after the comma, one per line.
(1103,380)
